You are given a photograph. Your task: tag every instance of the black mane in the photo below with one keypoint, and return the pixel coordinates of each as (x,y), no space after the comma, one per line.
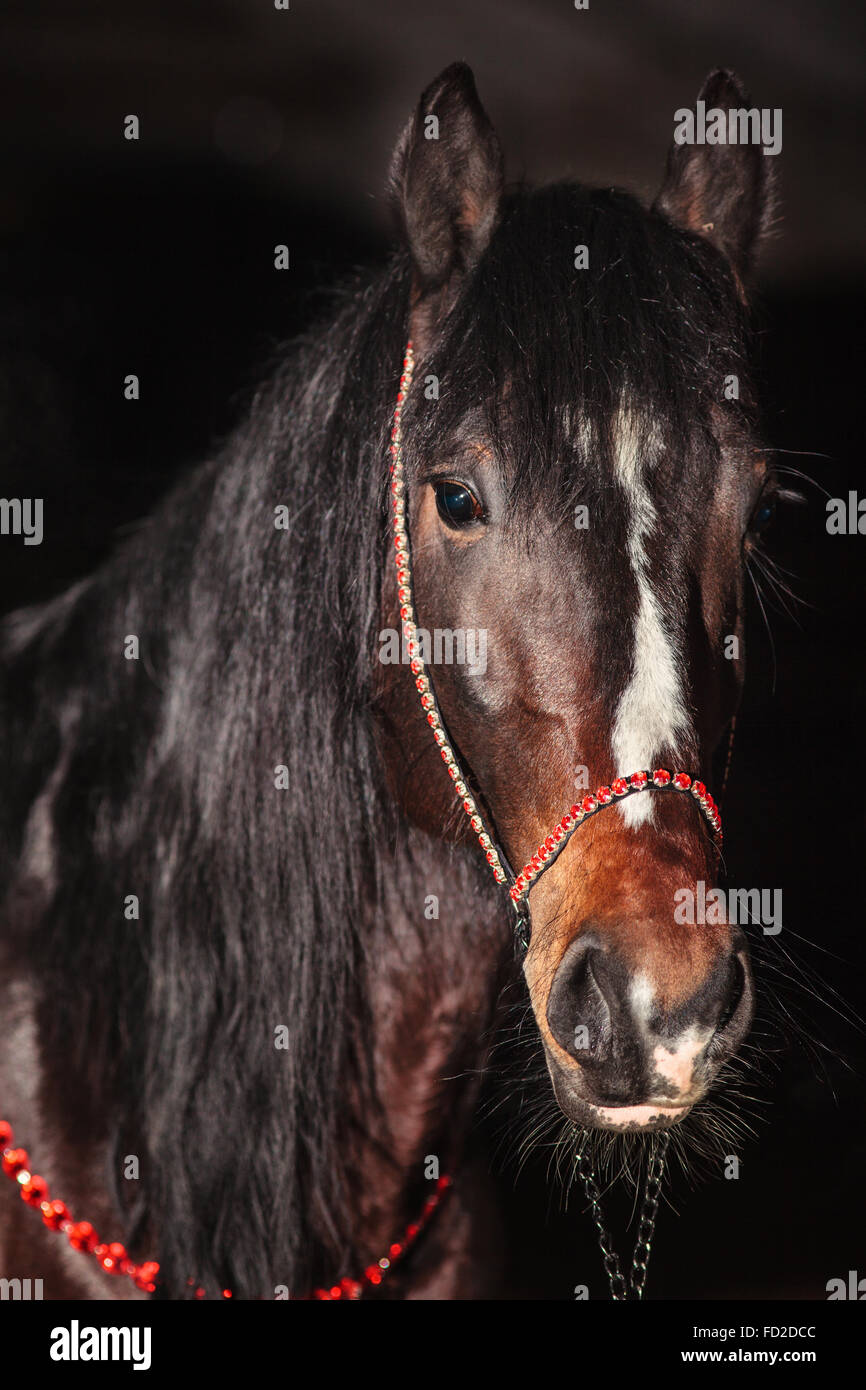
(253,645)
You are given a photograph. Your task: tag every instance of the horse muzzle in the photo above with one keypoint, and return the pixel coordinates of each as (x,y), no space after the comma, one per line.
(618,1057)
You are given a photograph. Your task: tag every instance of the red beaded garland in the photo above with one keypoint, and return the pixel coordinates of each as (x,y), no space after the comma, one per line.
(114,1259)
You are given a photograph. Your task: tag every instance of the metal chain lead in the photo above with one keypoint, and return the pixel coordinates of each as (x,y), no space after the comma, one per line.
(620,1290)
(649,1212)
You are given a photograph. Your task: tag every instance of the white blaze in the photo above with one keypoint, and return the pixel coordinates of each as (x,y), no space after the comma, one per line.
(651,716)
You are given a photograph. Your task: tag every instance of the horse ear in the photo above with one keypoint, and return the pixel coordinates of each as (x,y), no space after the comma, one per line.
(446,179)
(724,192)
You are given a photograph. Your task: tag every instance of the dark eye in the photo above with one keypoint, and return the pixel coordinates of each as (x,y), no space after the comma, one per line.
(763,515)
(457,504)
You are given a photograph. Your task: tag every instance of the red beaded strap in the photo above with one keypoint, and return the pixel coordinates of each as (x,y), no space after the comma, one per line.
(114,1259)
(407,616)
(621,787)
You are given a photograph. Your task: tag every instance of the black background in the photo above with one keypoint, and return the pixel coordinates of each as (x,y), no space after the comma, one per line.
(260,127)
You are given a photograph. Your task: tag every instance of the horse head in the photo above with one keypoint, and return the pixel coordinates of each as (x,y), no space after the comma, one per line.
(584,480)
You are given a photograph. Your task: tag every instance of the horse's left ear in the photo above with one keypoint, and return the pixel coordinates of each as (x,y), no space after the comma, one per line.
(724,192)
(446,179)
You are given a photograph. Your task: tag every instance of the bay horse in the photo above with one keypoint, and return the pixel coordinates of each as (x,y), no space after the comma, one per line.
(253,964)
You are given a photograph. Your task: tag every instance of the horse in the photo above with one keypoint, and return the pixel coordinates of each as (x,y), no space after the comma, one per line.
(254,967)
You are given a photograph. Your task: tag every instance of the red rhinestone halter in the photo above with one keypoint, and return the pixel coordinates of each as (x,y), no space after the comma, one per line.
(620,788)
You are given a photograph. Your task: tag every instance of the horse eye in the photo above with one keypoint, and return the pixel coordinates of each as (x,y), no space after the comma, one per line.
(457,504)
(763,515)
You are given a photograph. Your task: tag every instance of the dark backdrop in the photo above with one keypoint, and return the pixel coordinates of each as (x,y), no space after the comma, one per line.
(259,127)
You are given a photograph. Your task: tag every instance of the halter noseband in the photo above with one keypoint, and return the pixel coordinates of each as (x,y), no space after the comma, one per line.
(618,790)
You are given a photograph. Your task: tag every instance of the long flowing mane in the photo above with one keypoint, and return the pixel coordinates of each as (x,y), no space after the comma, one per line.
(160,773)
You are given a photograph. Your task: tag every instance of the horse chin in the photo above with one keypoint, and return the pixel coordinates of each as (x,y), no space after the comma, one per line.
(637,1119)
(633,1118)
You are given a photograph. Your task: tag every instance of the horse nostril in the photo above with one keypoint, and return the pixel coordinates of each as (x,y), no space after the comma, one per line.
(578,1011)
(735,995)
(590,1014)
(737,1010)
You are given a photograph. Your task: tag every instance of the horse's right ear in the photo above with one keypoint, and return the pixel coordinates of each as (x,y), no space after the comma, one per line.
(446,179)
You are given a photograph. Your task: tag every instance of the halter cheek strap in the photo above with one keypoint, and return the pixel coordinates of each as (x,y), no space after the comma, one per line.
(621,787)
